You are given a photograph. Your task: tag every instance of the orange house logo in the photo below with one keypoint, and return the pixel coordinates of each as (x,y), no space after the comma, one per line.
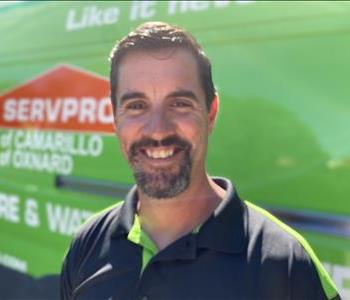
(63,98)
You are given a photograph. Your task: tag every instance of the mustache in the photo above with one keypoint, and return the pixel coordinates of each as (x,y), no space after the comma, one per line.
(172,140)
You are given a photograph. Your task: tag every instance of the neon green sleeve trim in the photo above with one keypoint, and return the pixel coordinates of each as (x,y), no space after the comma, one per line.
(326,281)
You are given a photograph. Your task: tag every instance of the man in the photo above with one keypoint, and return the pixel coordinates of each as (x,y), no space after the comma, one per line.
(180,234)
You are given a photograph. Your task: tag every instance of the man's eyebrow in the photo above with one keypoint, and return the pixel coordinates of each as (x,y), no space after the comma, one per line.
(131,95)
(183,93)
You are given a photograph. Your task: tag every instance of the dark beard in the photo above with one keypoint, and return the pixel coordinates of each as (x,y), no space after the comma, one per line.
(162,183)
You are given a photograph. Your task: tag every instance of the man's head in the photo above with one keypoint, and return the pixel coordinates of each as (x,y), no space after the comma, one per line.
(162,110)
(154,36)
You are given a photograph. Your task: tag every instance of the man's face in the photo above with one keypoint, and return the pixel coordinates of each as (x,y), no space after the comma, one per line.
(162,120)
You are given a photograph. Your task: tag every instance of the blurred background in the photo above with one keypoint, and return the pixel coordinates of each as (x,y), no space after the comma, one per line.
(282,136)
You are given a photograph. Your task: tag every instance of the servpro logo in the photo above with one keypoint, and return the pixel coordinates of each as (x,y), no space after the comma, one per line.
(63,98)
(54,118)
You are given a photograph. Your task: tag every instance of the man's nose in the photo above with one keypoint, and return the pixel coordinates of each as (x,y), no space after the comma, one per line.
(159,125)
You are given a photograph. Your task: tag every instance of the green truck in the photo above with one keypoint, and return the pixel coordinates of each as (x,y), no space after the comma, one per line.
(282,136)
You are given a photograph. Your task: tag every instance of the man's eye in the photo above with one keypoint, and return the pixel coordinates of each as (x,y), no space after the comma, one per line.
(136,106)
(181,104)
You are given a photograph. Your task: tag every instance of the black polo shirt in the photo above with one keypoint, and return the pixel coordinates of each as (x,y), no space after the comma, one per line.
(240,252)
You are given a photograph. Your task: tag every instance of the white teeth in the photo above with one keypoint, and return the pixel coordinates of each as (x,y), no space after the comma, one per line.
(159,153)
(162,154)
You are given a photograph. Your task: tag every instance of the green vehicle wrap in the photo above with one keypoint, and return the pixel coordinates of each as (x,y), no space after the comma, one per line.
(282,135)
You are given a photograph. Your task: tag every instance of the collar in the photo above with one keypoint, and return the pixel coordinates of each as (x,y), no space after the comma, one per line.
(125,219)
(225,230)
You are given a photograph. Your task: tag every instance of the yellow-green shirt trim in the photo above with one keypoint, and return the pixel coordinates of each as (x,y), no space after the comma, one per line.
(140,237)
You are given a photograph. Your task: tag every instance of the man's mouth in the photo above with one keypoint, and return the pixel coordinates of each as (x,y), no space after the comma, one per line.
(164,151)
(160,152)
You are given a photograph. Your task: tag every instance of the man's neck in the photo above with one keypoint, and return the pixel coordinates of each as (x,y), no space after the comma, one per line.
(166,220)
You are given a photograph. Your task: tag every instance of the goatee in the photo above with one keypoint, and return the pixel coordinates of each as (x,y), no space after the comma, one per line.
(162,182)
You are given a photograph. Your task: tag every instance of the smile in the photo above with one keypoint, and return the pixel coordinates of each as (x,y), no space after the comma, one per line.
(160,153)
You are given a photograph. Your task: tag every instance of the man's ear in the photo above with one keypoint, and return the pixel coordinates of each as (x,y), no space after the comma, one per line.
(214,108)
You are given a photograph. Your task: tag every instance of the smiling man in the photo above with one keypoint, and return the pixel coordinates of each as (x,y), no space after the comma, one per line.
(180,234)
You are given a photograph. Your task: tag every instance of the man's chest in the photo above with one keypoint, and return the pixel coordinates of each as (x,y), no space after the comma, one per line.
(209,276)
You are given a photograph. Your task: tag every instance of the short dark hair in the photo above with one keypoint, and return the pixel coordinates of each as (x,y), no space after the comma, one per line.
(160,35)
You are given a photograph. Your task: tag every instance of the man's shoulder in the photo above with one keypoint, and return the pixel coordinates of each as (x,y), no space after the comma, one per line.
(264,226)
(100,222)
(97,228)
(277,239)
(280,247)
(89,249)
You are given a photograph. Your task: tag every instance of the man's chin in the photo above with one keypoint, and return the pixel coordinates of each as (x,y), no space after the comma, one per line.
(161,185)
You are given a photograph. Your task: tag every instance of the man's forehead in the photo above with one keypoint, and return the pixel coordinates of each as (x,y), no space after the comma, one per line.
(178,65)
(162,54)
(159,72)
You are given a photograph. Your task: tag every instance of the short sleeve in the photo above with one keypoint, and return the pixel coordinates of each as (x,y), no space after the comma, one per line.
(309,278)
